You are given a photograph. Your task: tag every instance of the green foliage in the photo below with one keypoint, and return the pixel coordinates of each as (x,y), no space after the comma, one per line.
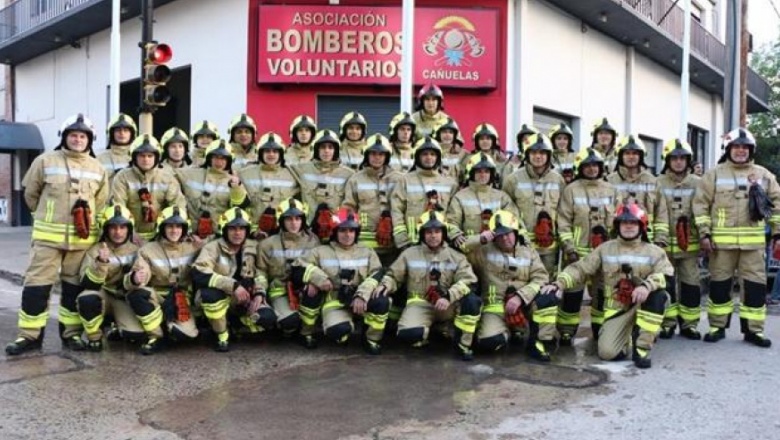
(766,126)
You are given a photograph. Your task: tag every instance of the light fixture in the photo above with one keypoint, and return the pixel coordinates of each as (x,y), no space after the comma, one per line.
(674,60)
(603,17)
(646,43)
(57,39)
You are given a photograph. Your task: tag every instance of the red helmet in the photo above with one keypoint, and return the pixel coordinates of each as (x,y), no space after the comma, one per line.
(630,211)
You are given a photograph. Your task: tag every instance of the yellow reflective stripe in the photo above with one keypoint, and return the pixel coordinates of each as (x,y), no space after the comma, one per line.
(568,318)
(332,304)
(395,313)
(49,210)
(92,326)
(60,233)
(568,281)
(216,310)
(33,321)
(752,313)
(152,321)
(308,315)
(370,283)
(702,220)
(775,219)
(375,321)
(721,217)
(461,288)
(673,311)
(467,323)
(249,324)
(276,292)
(236,196)
(399,229)
(67,317)
(649,321)
(720,309)
(596,316)
(214,279)
(308,272)
(415,300)
(496,308)
(689,313)
(261,280)
(491,294)
(546,315)
(147,236)
(411,229)
(95,278)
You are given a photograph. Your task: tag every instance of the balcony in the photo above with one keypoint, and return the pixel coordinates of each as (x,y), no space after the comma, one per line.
(655,29)
(29,28)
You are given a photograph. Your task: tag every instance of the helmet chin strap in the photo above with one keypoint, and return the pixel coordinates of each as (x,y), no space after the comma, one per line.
(637,236)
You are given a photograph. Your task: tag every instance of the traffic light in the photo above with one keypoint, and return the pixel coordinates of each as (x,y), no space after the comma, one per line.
(156,74)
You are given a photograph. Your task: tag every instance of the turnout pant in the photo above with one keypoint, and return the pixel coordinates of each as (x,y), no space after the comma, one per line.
(419,316)
(95,305)
(684,294)
(751,267)
(638,324)
(147,306)
(493,331)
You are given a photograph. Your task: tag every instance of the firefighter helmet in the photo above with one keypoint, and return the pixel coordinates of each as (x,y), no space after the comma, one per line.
(302,121)
(630,211)
(120,121)
(243,120)
(676,148)
(145,143)
(323,137)
(486,129)
(427,143)
(738,136)
(379,144)
(403,118)
(172,215)
(603,125)
(538,142)
(234,217)
(431,220)
(480,161)
(345,218)
(631,142)
(449,125)
(176,134)
(565,130)
(80,123)
(503,222)
(204,128)
(352,118)
(588,155)
(291,208)
(116,214)
(525,130)
(219,147)
(430,90)
(270,141)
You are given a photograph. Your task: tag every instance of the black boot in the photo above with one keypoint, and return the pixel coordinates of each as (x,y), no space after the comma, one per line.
(20,345)
(758,339)
(715,334)
(74,343)
(690,333)
(540,351)
(667,332)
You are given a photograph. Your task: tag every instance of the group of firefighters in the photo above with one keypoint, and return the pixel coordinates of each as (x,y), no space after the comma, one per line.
(407,235)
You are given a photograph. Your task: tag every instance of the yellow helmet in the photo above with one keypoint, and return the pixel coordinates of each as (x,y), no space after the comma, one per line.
(172,215)
(503,222)
(291,208)
(146,143)
(431,219)
(603,124)
(121,120)
(486,129)
(525,130)
(350,119)
(326,136)
(424,144)
(116,214)
(234,217)
(450,124)
(380,144)
(403,118)
(675,148)
(479,161)
(302,121)
(588,155)
(565,130)
(631,142)
(204,128)
(243,120)
(219,147)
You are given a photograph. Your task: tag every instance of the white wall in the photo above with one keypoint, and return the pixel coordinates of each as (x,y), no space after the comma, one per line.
(58,84)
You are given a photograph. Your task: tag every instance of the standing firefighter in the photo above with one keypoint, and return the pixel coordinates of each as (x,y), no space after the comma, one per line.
(269,183)
(368,192)
(677,185)
(401,132)
(224,276)
(584,215)
(439,281)
(429,112)
(275,258)
(340,277)
(302,131)
(322,183)
(485,140)
(562,139)
(536,190)
(146,189)
(121,132)
(511,275)
(732,205)
(634,273)
(176,149)
(242,132)
(102,275)
(159,289)
(202,135)
(64,189)
(352,134)
(604,139)
(452,152)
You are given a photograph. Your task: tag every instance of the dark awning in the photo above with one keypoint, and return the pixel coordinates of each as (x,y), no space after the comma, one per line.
(19,136)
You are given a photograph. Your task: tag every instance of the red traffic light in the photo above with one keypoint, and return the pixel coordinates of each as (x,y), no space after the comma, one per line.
(158,53)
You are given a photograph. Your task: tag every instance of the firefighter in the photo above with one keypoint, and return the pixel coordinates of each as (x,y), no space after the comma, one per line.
(429,112)
(472,207)
(120,133)
(242,132)
(515,160)
(269,183)
(340,277)
(525,131)
(159,288)
(63,189)
(440,284)
(731,218)
(202,135)
(368,192)
(353,131)
(605,138)
(275,258)
(485,140)
(144,188)
(422,189)
(212,189)
(402,129)
(632,179)
(102,275)
(323,182)
(585,213)
(451,142)
(677,184)
(562,138)
(302,131)
(511,275)
(176,149)
(536,190)
(634,273)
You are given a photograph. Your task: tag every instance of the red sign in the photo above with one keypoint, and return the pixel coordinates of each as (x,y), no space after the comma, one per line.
(362,45)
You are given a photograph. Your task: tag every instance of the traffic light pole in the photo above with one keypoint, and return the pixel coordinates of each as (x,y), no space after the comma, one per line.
(145,120)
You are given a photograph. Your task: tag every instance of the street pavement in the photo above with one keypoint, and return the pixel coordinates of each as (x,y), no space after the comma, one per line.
(273,388)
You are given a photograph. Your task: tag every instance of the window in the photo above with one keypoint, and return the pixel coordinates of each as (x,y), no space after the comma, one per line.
(697,137)
(544,120)
(378,111)
(653,156)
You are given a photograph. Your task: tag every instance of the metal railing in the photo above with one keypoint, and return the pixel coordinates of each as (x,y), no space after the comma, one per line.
(24,15)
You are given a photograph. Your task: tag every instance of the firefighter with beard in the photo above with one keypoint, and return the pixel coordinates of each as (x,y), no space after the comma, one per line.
(242,132)
(452,151)
(159,288)
(212,189)
(562,139)
(224,275)
(634,274)
(472,207)
(732,205)
(605,138)
(368,192)
(121,132)
(275,257)
(511,276)
(323,183)
(146,189)
(485,140)
(632,179)
(269,182)
(102,275)
(402,128)
(440,284)
(202,135)
(536,191)
(302,131)
(176,149)
(429,112)
(585,213)
(677,184)
(63,189)
(353,130)
(340,277)
(422,189)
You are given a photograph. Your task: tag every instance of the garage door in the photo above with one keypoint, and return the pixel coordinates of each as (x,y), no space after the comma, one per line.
(378,111)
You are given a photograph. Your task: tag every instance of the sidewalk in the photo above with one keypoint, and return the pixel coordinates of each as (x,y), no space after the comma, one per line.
(14,252)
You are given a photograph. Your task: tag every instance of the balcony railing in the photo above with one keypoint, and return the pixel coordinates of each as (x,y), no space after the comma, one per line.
(24,15)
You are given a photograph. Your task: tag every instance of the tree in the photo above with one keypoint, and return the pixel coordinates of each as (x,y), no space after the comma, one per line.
(766,126)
